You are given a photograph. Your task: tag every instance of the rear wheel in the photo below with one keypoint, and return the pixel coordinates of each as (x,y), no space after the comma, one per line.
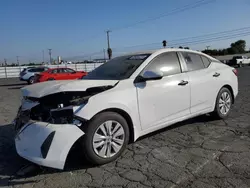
(31,80)
(223,103)
(50,79)
(106,137)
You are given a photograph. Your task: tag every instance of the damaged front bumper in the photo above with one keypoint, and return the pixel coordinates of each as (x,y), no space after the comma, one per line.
(46,144)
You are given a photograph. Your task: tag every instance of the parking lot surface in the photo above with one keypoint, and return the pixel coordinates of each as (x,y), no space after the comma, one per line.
(200,152)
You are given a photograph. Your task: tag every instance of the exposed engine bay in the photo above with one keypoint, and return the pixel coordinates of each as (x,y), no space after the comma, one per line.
(55,108)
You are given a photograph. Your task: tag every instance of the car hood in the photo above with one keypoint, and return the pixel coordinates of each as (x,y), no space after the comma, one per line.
(50,87)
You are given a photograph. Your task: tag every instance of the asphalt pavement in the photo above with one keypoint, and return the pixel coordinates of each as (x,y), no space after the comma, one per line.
(198,153)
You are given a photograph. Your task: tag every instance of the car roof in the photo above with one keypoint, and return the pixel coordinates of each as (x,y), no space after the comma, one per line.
(60,68)
(169,50)
(36,67)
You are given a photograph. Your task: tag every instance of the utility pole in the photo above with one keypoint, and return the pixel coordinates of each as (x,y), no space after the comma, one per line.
(17,60)
(50,55)
(109,50)
(108,38)
(5,66)
(207,47)
(43,56)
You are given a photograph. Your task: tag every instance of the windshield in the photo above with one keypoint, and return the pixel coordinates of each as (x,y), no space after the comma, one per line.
(118,68)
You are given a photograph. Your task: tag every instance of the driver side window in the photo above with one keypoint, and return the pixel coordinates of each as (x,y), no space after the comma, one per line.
(167,63)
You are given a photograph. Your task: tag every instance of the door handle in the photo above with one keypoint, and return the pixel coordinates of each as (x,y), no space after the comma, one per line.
(216,74)
(183,83)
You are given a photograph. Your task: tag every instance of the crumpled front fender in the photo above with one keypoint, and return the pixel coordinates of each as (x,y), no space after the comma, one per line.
(32,136)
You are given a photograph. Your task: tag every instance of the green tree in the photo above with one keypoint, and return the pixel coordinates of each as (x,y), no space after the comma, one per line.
(239,46)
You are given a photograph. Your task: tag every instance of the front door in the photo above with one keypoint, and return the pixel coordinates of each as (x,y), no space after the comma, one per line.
(167,99)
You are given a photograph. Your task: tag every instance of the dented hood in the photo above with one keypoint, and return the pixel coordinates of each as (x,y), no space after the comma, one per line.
(50,87)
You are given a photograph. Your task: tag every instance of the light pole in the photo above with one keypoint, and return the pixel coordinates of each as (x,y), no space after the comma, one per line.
(43,56)
(109,50)
(50,55)
(104,56)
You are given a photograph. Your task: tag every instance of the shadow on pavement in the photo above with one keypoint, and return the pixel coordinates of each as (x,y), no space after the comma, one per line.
(18,84)
(15,87)
(14,167)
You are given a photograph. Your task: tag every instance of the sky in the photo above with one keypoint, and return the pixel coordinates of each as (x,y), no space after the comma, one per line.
(76,29)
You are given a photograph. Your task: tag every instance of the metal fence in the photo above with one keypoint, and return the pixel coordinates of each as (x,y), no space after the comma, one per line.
(11,72)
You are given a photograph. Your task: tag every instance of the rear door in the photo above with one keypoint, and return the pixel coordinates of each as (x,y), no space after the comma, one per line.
(64,75)
(57,74)
(72,74)
(203,81)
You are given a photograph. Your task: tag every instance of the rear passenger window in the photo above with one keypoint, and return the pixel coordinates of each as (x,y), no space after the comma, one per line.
(205,61)
(168,63)
(54,71)
(33,70)
(193,61)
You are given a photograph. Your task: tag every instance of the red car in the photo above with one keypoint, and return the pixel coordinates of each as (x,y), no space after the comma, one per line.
(59,74)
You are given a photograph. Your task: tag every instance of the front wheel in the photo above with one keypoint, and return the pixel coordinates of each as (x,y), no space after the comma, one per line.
(106,137)
(223,103)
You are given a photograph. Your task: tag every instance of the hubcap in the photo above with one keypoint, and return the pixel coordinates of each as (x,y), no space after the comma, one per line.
(108,139)
(32,80)
(225,103)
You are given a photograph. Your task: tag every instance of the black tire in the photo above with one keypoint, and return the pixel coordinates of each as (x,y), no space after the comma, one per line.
(31,80)
(217,111)
(51,79)
(91,128)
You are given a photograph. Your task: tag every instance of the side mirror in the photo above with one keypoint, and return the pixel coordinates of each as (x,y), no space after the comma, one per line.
(149,75)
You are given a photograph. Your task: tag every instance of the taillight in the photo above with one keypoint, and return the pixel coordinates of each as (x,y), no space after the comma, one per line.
(235,72)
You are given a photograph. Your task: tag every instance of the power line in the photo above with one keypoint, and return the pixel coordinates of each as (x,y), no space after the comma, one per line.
(199,40)
(172,12)
(190,39)
(213,39)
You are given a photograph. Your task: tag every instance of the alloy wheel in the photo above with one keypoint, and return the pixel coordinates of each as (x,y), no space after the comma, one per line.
(108,139)
(225,103)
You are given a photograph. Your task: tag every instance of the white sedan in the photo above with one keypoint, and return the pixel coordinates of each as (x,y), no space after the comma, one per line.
(120,101)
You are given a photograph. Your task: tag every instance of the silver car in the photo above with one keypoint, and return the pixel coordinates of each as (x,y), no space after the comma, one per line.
(28,74)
